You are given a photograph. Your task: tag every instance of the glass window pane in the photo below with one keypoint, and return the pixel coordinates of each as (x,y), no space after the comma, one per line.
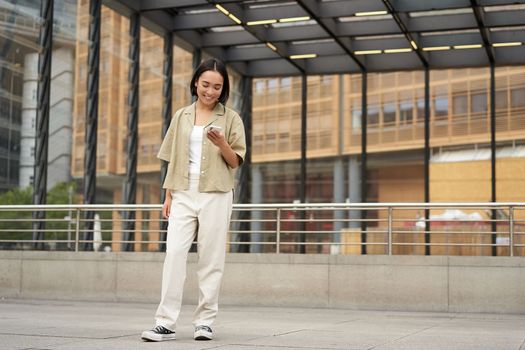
(405,111)
(517,97)
(440,102)
(389,114)
(501,99)
(460,105)
(479,102)
(372,116)
(420,109)
(356,119)
(18,91)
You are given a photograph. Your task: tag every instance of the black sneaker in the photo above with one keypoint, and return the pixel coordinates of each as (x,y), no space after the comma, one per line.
(203,333)
(158,333)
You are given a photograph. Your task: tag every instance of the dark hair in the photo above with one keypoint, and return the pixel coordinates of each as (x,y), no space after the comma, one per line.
(215,65)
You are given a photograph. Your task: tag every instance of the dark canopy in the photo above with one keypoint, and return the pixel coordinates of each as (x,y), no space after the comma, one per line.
(347,36)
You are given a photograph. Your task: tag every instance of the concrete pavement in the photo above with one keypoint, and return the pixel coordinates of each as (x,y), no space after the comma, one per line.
(60,325)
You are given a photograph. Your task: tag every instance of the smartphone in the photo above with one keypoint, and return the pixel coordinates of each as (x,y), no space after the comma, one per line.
(214,127)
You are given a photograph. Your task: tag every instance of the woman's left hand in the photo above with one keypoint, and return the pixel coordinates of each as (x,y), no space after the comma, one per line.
(227,152)
(216,138)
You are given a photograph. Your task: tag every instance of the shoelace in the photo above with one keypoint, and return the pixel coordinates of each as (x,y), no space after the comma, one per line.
(162,330)
(206,328)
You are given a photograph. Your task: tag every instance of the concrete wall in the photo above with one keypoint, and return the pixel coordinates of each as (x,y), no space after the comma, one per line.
(415,283)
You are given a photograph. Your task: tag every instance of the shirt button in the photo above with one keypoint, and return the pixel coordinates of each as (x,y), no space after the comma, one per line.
(203,157)
(202,172)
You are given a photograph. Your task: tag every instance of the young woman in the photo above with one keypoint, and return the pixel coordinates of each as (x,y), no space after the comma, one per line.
(203,145)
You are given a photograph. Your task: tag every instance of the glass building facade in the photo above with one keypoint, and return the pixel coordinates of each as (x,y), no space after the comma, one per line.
(459,121)
(19,47)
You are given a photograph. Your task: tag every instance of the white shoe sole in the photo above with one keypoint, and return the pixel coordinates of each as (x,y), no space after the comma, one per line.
(202,334)
(151,336)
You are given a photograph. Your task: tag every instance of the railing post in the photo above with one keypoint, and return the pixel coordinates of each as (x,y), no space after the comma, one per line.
(390,211)
(77,229)
(278,231)
(511,231)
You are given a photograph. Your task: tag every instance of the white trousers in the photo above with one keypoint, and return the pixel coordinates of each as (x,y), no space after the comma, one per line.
(208,215)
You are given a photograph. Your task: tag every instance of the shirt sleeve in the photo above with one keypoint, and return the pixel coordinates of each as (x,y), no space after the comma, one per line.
(166,147)
(237,138)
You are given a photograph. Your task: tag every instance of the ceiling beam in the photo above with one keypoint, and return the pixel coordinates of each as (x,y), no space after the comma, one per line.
(329,26)
(240,37)
(332,65)
(271,68)
(394,62)
(441,23)
(149,5)
(200,21)
(412,39)
(484,31)
(240,53)
(124,7)
(500,2)
(450,39)
(274,12)
(260,33)
(336,39)
(458,59)
(345,8)
(510,55)
(505,18)
(371,27)
(428,5)
(296,33)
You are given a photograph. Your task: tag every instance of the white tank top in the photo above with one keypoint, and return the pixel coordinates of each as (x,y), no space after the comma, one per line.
(196,148)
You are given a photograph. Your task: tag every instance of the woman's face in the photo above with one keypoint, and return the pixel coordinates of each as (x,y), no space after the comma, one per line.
(209,87)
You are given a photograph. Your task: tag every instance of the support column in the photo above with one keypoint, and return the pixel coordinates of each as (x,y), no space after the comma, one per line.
(302,179)
(90,140)
(42,120)
(364,112)
(130,184)
(167,95)
(493,153)
(196,60)
(244,172)
(427,159)
(339,172)
(354,189)
(339,197)
(257,198)
(354,196)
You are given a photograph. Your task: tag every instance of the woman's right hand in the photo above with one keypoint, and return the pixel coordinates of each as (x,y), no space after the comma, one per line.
(166,207)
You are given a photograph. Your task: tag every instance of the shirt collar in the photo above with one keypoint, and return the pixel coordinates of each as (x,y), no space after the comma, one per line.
(218,111)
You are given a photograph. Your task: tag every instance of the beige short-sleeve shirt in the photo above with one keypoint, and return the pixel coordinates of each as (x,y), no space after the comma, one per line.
(215,174)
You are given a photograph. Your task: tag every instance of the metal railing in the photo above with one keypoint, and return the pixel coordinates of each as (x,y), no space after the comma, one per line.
(330,228)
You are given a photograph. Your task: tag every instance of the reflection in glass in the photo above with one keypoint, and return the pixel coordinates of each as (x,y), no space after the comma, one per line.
(19,49)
